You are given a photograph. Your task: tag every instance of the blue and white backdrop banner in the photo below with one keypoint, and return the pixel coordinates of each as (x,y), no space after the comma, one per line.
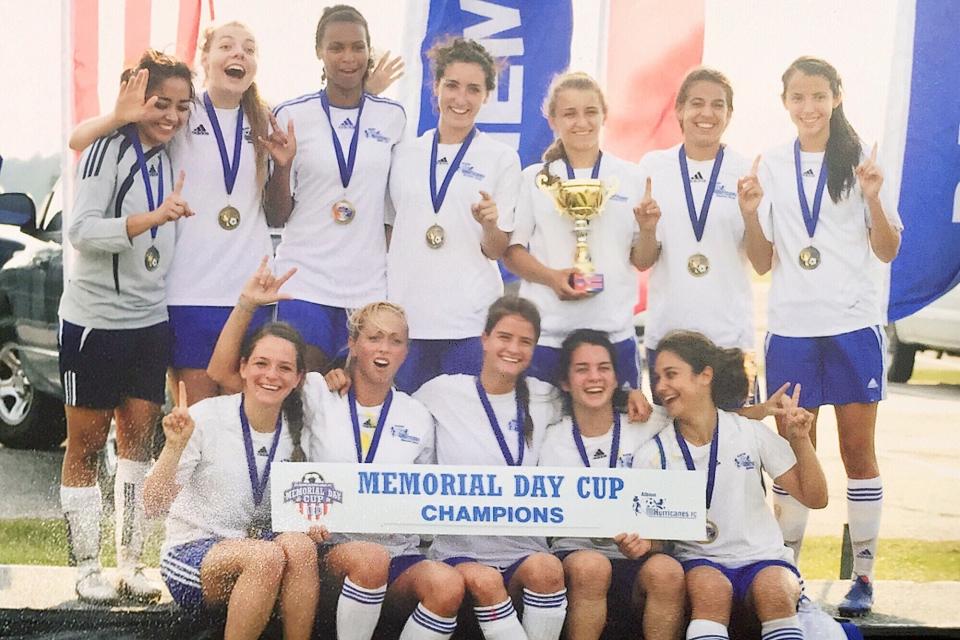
(476,500)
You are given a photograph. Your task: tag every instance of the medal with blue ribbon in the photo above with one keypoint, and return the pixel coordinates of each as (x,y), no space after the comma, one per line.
(698,264)
(810,255)
(594,174)
(378,431)
(343,210)
(712,529)
(435,234)
(614,445)
(229,216)
(151,259)
(258,483)
(498,432)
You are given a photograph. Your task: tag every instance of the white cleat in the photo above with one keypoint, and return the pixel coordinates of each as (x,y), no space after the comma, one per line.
(133,585)
(93,588)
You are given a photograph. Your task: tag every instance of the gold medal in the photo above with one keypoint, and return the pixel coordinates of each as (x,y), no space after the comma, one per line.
(712,532)
(343,211)
(698,265)
(435,236)
(229,218)
(809,258)
(151,259)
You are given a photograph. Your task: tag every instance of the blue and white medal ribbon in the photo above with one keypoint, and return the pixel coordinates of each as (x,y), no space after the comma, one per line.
(698,264)
(594,173)
(343,210)
(435,235)
(258,483)
(229,216)
(378,431)
(810,255)
(614,445)
(151,259)
(498,432)
(712,529)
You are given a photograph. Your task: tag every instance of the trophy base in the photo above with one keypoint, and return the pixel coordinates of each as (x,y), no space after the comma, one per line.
(592,283)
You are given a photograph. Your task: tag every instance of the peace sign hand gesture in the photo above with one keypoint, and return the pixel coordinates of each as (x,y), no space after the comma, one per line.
(749,191)
(869,176)
(797,421)
(282,146)
(263,287)
(647,212)
(178,424)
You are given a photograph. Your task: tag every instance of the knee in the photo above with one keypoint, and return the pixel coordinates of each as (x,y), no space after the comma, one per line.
(443,586)
(368,565)
(269,562)
(484,583)
(298,550)
(542,573)
(587,574)
(775,592)
(662,576)
(709,591)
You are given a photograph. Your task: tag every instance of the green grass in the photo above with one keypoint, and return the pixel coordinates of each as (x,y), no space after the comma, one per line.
(45,542)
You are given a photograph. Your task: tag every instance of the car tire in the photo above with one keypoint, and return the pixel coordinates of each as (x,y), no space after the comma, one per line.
(901,355)
(28,419)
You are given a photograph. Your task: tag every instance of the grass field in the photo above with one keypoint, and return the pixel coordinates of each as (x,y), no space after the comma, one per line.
(45,542)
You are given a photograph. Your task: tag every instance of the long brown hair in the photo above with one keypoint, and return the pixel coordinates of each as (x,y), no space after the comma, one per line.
(730,381)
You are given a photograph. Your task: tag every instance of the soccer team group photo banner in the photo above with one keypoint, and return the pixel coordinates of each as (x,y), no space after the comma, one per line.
(477,500)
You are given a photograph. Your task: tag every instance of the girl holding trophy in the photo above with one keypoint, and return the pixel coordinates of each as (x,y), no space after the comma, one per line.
(825,311)
(595,290)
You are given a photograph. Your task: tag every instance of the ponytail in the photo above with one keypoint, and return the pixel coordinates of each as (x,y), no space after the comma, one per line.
(554,152)
(293,413)
(255,110)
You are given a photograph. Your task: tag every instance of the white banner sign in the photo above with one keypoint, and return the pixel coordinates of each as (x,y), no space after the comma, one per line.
(442,499)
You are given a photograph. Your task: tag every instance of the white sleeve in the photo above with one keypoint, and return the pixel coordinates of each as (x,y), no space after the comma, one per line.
(92,226)
(193,452)
(428,451)
(507,190)
(524,220)
(776,456)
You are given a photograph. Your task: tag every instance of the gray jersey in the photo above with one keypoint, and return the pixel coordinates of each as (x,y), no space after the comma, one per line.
(110,286)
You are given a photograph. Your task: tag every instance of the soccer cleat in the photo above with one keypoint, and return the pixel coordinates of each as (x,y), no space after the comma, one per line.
(133,585)
(859,600)
(93,588)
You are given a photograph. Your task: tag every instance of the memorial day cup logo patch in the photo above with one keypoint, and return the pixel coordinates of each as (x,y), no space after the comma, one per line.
(313,496)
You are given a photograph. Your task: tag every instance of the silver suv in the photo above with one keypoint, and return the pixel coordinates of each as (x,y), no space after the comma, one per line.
(935,327)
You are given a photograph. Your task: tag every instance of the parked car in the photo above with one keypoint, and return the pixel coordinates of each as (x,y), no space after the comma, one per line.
(31,281)
(935,327)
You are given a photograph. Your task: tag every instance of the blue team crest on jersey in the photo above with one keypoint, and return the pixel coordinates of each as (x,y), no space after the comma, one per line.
(469,172)
(374,133)
(247,135)
(625,460)
(401,433)
(513,425)
(743,461)
(722,192)
(618,197)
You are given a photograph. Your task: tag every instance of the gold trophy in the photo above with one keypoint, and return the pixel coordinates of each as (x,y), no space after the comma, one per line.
(581,200)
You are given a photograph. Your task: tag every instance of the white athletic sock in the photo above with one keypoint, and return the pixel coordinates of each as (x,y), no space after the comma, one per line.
(128,510)
(781,629)
(82,509)
(864,504)
(500,622)
(543,614)
(706,630)
(792,518)
(424,624)
(358,610)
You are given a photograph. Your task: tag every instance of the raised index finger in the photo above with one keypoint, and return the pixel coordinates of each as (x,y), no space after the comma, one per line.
(182,395)
(873,154)
(755,167)
(486,196)
(648,191)
(177,188)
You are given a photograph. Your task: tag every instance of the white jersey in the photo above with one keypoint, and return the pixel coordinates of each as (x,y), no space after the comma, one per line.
(560,450)
(212,263)
(551,241)
(339,265)
(843,293)
(407,438)
(446,291)
(747,529)
(109,285)
(465,437)
(718,304)
(216,499)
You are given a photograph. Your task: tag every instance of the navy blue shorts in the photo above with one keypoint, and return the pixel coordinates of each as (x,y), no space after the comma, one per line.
(399,564)
(195,331)
(545,364)
(180,569)
(506,572)
(100,368)
(741,577)
(322,326)
(839,369)
(427,359)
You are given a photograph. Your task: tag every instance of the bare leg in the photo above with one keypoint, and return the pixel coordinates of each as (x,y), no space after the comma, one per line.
(588,576)
(199,385)
(87,431)
(661,587)
(300,586)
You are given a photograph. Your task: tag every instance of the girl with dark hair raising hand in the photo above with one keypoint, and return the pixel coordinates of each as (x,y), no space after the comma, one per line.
(816,213)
